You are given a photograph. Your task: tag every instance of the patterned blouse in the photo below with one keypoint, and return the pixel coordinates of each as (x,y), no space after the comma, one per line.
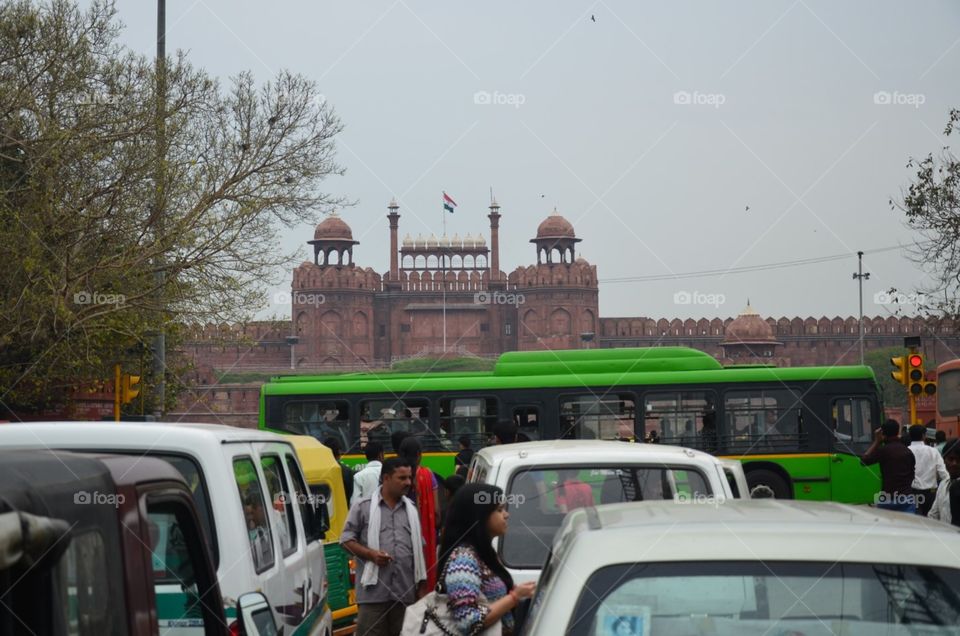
(466,578)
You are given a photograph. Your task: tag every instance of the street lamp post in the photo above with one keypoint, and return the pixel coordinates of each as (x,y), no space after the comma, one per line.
(860,276)
(292,341)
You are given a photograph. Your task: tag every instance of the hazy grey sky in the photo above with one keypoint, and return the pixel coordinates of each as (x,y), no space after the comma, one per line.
(806,111)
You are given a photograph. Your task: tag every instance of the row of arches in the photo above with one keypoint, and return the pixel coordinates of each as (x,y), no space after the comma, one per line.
(434,262)
(557,322)
(780,327)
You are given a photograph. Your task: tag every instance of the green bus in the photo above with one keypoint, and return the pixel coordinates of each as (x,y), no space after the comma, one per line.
(799,431)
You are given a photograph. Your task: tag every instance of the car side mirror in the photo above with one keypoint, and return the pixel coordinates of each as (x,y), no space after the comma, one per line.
(255,616)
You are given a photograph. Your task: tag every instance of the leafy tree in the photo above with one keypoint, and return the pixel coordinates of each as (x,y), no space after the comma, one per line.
(931,204)
(121,211)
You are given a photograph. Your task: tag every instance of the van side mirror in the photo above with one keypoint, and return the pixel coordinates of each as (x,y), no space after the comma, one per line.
(255,616)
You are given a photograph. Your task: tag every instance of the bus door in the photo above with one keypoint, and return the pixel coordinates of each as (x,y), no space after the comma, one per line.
(851,428)
(527,418)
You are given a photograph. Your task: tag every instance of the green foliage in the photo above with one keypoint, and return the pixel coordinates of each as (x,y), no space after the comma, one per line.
(135,196)
(894,393)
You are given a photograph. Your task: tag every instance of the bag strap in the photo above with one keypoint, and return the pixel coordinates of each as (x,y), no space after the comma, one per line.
(429,614)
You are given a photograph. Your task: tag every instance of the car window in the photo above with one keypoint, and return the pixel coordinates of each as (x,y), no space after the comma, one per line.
(174,578)
(305,500)
(85,600)
(769,598)
(281,503)
(538,499)
(254,513)
(198,490)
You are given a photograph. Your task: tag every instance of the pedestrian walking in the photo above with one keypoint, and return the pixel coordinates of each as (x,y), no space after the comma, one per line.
(426,490)
(897,466)
(383,532)
(929,470)
(334,445)
(946,506)
(367,480)
(480,590)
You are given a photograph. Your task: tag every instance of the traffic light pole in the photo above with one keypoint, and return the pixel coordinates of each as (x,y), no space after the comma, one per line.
(116,393)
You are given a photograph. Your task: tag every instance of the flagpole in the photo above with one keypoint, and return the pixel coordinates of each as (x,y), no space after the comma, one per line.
(443,275)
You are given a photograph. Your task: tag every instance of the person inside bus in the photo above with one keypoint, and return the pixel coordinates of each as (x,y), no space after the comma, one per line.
(708,434)
(946,506)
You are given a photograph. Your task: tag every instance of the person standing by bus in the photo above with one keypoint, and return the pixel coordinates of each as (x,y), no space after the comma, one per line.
(897,466)
(929,469)
(946,507)
(426,488)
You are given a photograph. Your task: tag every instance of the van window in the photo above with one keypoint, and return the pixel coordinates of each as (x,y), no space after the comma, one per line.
(254,513)
(281,503)
(86,602)
(763,419)
(320,419)
(198,489)
(304,500)
(607,416)
(173,566)
(539,498)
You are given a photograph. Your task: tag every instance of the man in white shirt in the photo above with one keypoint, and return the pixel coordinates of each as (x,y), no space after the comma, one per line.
(368,479)
(929,469)
(946,507)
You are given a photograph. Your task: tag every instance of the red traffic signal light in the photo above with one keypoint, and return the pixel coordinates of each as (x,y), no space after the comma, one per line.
(916,361)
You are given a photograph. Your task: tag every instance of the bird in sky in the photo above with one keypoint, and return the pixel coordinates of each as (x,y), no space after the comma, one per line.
(593,18)
(747,209)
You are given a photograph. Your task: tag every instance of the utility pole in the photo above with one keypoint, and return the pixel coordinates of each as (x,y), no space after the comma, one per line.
(160,343)
(860,276)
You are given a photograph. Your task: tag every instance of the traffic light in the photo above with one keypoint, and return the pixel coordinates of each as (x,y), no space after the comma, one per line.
(918,383)
(900,374)
(129,388)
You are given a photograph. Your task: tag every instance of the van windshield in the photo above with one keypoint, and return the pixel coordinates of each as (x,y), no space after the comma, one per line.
(743,598)
(539,498)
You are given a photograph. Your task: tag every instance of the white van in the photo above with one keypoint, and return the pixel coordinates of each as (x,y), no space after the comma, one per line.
(256,511)
(543,481)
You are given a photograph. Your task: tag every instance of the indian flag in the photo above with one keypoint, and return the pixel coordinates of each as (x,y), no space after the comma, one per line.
(448,203)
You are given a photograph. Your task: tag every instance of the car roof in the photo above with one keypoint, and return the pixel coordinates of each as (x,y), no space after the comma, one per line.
(597,451)
(109,435)
(759,529)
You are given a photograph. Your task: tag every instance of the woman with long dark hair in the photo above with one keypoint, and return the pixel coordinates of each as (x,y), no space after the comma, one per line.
(479,589)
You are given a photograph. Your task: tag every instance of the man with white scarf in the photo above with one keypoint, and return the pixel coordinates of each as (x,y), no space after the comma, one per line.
(383,532)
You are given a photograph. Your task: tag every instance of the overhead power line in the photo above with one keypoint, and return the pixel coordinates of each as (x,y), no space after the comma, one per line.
(745,269)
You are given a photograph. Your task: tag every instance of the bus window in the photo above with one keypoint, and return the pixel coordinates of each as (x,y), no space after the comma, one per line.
(381,418)
(474,417)
(606,416)
(320,419)
(527,419)
(677,418)
(770,418)
(948,392)
(851,421)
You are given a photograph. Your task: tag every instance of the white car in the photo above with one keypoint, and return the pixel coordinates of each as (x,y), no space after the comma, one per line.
(747,568)
(262,529)
(543,481)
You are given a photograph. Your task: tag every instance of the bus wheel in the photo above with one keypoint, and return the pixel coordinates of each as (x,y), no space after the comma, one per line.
(766,484)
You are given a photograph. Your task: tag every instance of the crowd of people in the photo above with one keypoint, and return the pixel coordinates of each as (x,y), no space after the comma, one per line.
(414,532)
(917,478)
